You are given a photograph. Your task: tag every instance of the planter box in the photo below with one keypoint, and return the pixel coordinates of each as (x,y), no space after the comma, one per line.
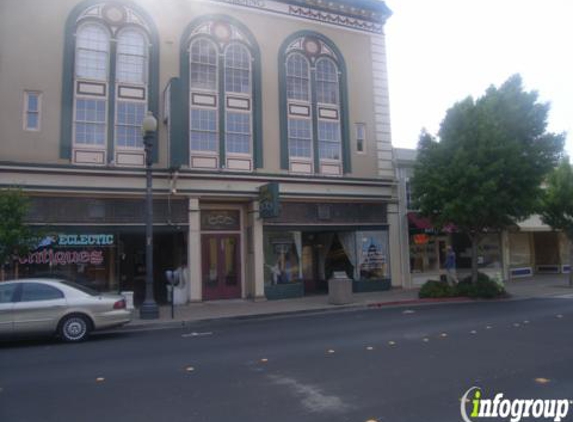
(284,291)
(363,286)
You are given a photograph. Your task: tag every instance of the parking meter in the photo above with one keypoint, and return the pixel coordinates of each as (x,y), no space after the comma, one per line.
(173,280)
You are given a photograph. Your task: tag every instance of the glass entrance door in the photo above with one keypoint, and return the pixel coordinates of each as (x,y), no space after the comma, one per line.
(221,266)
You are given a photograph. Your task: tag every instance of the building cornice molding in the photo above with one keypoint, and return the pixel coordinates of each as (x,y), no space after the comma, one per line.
(362,15)
(183,174)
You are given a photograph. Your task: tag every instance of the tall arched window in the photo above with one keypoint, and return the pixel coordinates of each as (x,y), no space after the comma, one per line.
(92,70)
(313,117)
(131,77)
(203,119)
(221,95)
(110,84)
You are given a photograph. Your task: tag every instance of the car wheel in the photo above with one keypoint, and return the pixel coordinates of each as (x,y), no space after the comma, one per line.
(74,328)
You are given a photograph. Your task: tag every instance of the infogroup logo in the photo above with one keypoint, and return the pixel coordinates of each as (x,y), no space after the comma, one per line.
(475,407)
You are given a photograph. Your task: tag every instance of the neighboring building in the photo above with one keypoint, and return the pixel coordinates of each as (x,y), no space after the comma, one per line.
(531,248)
(285,95)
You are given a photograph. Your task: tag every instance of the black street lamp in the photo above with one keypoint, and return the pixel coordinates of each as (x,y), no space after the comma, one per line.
(149,309)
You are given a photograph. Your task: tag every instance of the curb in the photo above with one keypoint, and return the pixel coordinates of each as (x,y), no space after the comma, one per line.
(139,325)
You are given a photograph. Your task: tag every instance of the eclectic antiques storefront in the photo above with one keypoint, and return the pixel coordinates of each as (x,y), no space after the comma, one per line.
(100,243)
(308,242)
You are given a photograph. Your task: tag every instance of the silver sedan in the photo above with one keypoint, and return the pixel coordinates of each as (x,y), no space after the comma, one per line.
(57,307)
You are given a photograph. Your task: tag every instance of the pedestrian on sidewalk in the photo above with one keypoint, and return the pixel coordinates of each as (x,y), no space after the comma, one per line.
(451,266)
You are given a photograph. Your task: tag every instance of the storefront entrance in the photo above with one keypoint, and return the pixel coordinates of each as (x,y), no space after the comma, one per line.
(221,267)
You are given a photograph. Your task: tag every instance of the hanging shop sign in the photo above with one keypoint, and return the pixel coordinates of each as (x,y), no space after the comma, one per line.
(269,204)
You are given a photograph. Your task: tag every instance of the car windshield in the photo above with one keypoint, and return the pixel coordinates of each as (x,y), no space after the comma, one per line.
(77,286)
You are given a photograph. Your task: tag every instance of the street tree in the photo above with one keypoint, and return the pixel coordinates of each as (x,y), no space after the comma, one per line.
(16,237)
(557,205)
(484,172)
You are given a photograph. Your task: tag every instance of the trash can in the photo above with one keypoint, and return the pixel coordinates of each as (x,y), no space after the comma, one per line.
(339,289)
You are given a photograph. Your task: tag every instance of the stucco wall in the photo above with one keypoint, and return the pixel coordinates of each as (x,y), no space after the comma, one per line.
(31,58)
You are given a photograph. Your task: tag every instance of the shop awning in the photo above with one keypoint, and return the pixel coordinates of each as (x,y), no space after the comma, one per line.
(418,222)
(533,224)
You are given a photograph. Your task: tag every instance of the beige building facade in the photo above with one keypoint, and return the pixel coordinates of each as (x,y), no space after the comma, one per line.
(273,164)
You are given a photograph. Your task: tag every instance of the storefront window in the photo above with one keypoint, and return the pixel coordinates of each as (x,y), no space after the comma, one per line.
(423,253)
(520,250)
(489,252)
(87,259)
(282,257)
(373,255)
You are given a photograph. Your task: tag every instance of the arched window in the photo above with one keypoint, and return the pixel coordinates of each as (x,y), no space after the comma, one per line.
(313,116)
(92,59)
(203,65)
(131,74)
(92,52)
(110,85)
(221,95)
(298,77)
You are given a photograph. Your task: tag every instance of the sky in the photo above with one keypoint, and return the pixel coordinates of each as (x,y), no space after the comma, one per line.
(441,51)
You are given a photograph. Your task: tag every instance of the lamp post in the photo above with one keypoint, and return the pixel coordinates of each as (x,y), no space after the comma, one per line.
(149,309)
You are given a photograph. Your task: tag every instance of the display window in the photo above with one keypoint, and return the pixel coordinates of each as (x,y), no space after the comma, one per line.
(86,258)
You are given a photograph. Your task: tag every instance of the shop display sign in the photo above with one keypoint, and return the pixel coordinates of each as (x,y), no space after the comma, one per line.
(269,205)
(73,240)
(52,257)
(421,239)
(67,249)
(220,220)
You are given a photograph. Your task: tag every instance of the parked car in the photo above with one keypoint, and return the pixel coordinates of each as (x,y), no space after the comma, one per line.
(57,307)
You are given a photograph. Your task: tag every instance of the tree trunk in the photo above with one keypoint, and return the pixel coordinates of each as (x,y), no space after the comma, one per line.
(475,241)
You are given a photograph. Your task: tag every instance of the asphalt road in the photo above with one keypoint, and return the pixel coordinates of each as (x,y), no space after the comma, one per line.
(385,365)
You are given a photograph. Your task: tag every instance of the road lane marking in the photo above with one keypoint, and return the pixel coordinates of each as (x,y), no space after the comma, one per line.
(197,334)
(189,369)
(559,316)
(392,343)
(473,332)
(542,380)
(100,379)
(312,397)
(426,340)
(516,324)
(409,312)
(488,327)
(264,360)
(443,335)
(330,351)
(369,348)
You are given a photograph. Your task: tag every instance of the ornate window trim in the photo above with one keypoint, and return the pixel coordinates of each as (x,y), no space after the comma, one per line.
(115,17)
(315,47)
(224,32)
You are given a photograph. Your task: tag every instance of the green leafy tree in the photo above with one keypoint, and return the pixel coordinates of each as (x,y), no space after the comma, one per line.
(16,238)
(557,204)
(484,173)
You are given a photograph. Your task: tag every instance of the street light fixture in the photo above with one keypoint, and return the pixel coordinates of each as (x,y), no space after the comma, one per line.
(149,309)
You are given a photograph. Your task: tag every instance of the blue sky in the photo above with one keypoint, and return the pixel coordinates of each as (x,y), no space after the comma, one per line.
(441,51)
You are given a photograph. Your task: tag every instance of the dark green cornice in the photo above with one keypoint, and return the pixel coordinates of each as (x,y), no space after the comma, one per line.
(379,11)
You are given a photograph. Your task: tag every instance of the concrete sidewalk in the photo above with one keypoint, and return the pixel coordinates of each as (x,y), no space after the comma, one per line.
(538,286)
